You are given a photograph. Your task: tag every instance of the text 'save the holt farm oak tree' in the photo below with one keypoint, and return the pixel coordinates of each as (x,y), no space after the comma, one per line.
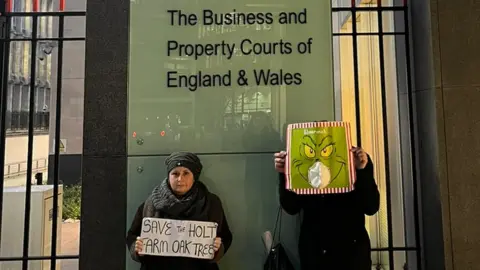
(178,238)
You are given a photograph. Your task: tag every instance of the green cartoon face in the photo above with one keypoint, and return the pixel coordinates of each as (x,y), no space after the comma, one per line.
(319,159)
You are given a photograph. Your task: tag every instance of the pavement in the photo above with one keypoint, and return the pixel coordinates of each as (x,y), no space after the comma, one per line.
(70,244)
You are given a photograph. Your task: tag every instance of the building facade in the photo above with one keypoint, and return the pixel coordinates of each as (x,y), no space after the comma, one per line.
(424,23)
(73,78)
(20,71)
(402,72)
(18,84)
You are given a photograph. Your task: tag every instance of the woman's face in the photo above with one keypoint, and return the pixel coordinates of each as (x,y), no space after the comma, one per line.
(181,180)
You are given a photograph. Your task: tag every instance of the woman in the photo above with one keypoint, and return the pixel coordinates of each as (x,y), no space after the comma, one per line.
(333,234)
(181,196)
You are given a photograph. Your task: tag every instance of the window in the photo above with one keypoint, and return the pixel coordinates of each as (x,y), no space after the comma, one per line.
(39,99)
(25,98)
(8,116)
(47,99)
(18,108)
(20,61)
(16,95)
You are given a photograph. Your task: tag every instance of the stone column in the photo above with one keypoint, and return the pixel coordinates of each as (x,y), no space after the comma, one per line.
(104,172)
(445,45)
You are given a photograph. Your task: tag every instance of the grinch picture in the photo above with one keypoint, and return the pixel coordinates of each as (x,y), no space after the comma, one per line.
(319,158)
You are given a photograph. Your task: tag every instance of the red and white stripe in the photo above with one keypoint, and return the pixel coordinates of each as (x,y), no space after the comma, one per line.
(287,158)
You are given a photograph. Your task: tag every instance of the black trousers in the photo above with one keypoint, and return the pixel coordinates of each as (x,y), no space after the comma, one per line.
(348,256)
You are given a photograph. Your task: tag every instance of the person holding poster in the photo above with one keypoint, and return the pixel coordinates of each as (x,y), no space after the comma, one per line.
(333,234)
(181,196)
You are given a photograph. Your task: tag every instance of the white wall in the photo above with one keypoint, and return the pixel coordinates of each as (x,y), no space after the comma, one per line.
(16,148)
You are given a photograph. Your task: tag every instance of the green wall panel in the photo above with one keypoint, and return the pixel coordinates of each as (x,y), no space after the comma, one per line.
(248,190)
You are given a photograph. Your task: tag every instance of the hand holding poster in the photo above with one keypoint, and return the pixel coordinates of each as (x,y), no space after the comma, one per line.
(319,160)
(178,238)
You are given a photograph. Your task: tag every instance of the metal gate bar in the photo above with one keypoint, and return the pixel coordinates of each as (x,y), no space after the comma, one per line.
(58,117)
(31,108)
(5,20)
(353,9)
(411,121)
(391,258)
(356,81)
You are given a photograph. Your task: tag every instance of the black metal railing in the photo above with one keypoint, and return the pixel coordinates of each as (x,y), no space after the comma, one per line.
(30,120)
(20,168)
(401,10)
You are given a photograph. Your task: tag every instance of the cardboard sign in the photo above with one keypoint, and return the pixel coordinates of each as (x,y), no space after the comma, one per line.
(178,238)
(319,160)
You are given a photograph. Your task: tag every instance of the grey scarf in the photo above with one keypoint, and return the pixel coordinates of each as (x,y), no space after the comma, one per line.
(164,203)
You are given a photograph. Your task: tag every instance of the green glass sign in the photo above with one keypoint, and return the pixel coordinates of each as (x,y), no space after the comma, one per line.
(226,76)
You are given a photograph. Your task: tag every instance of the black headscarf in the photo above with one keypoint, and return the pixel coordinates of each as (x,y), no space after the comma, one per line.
(191,206)
(184,159)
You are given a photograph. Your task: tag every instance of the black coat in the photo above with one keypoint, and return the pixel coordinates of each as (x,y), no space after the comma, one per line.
(215,214)
(333,234)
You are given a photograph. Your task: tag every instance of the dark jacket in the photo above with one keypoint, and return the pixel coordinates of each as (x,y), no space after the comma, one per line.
(215,214)
(333,234)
